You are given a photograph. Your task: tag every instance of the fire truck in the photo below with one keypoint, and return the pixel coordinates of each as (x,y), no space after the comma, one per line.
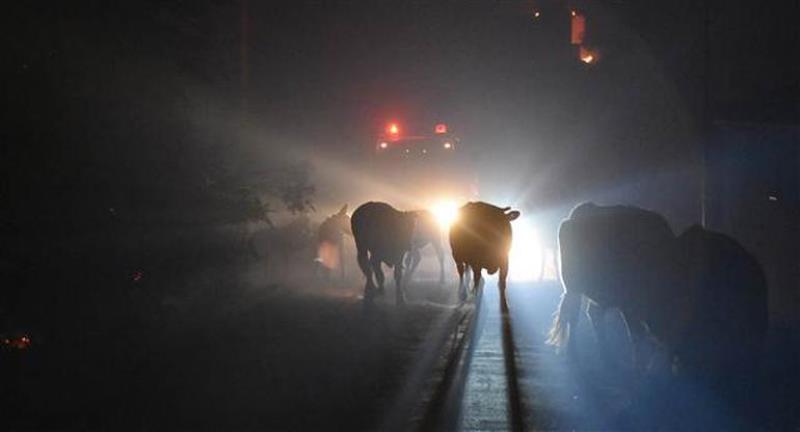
(432,169)
(424,168)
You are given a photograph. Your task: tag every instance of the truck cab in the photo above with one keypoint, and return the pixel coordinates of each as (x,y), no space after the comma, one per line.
(423,168)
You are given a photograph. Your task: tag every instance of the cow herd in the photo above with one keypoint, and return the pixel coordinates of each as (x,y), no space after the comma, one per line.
(480,239)
(700,294)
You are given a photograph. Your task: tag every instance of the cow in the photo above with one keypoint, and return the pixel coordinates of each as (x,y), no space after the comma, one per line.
(330,241)
(722,344)
(427,232)
(701,296)
(383,235)
(613,257)
(480,238)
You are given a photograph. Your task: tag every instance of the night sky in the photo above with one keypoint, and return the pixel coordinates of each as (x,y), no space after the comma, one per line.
(100,89)
(146,147)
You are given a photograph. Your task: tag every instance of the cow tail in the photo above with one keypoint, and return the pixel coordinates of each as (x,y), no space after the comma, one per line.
(566,317)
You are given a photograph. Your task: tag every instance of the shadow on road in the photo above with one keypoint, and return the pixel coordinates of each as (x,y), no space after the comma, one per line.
(586,395)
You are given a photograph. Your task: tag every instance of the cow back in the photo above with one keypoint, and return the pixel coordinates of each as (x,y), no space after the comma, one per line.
(383,231)
(616,255)
(481,236)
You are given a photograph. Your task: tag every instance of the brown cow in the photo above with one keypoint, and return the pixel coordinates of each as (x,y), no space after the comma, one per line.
(481,239)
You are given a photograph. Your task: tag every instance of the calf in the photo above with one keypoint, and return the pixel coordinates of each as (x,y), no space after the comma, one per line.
(382,235)
(481,239)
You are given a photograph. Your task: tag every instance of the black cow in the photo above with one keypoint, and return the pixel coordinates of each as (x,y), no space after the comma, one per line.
(481,239)
(723,341)
(701,295)
(383,235)
(614,256)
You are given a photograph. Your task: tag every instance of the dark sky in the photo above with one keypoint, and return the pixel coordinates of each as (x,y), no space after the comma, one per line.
(161,83)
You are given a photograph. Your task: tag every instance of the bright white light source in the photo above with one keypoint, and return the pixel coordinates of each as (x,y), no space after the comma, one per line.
(448,145)
(527,255)
(550,269)
(446,212)
(384,144)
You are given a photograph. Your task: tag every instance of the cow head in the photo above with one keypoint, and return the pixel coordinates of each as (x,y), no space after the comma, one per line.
(342,220)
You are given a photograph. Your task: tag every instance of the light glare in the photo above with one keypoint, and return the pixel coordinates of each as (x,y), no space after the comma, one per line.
(527,255)
(445,212)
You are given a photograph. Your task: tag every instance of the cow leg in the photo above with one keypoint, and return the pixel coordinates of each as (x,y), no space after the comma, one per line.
(596,315)
(440,256)
(462,289)
(378,270)
(476,278)
(398,284)
(502,284)
(341,258)
(413,259)
(366,268)
(637,334)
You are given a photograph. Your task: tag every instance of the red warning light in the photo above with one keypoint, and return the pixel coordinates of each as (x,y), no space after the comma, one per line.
(393,129)
(441,128)
(577,28)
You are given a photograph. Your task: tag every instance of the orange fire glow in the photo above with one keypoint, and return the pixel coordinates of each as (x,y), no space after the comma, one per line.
(587,56)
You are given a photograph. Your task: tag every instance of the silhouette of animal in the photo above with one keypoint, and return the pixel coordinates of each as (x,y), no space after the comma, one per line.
(330,241)
(701,295)
(614,257)
(427,232)
(723,342)
(481,239)
(383,235)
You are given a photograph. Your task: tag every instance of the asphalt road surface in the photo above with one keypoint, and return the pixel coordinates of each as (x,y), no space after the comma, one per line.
(590,394)
(314,358)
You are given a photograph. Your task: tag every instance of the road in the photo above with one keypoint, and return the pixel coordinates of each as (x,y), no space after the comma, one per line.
(314,358)
(586,394)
